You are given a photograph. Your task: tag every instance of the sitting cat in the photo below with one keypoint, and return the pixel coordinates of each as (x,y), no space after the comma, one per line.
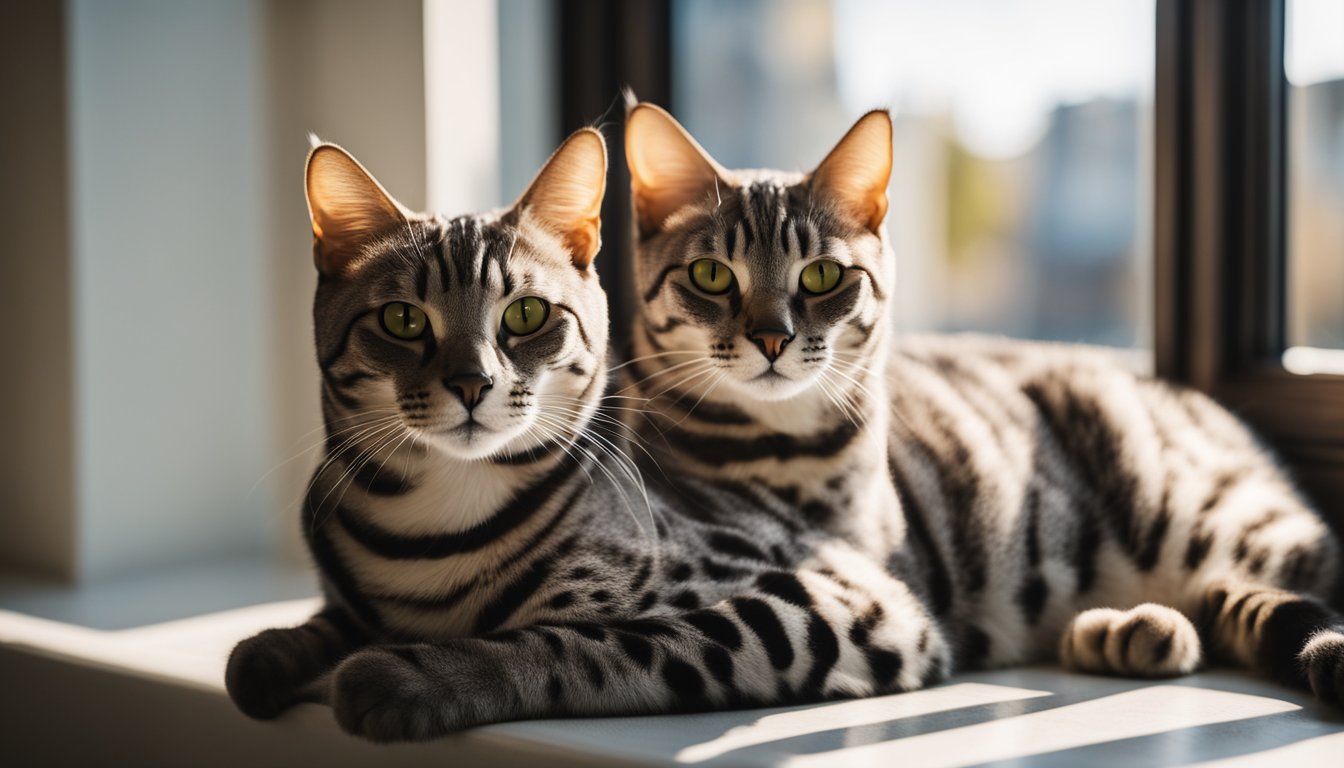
(1036,498)
(484,554)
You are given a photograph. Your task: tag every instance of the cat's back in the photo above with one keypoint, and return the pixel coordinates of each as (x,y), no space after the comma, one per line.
(1070,388)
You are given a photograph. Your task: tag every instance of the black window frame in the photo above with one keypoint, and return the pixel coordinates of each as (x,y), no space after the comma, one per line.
(605,46)
(1219,196)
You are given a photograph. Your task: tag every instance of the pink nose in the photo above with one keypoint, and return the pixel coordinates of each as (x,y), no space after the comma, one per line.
(771,342)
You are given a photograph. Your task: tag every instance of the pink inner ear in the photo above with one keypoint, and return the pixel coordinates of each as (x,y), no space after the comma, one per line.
(668,169)
(583,243)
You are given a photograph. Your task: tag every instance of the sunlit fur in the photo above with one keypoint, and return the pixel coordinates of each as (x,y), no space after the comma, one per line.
(529,569)
(1013,484)
(524,568)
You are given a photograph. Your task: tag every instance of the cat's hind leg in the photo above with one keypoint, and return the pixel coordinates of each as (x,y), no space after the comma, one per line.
(275,668)
(1148,640)
(1292,638)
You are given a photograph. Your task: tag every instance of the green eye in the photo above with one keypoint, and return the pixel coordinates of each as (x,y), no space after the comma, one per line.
(405,321)
(526,315)
(821,276)
(711,275)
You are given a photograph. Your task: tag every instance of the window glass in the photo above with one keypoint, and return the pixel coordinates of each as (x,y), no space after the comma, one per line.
(1021,195)
(1314,63)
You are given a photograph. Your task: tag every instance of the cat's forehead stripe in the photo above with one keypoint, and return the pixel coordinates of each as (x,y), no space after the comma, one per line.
(473,247)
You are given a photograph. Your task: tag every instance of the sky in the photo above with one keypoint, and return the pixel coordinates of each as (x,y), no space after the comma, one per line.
(1314,44)
(1000,66)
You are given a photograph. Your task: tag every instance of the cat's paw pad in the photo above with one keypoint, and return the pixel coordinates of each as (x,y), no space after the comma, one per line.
(263,674)
(1148,640)
(1323,659)
(383,694)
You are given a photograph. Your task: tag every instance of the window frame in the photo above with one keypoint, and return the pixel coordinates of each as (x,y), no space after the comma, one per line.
(604,46)
(1220,196)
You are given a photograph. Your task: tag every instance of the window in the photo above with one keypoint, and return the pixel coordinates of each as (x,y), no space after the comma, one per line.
(1197,255)
(1231,293)
(1314,64)
(1021,193)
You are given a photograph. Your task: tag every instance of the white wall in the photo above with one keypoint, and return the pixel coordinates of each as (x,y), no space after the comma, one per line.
(171,317)
(162,407)
(352,72)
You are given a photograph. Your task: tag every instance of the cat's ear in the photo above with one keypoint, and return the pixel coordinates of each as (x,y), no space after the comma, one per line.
(854,175)
(566,197)
(347,207)
(668,169)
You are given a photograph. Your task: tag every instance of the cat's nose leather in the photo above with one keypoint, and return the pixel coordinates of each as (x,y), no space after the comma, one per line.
(470,387)
(771,342)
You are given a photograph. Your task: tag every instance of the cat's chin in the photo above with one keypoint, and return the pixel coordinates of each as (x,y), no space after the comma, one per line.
(771,386)
(465,442)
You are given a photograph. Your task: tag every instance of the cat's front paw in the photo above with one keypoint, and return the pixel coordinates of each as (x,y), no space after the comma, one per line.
(264,673)
(1148,640)
(1323,659)
(385,694)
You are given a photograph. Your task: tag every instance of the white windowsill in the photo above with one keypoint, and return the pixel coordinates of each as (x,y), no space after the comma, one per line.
(154,694)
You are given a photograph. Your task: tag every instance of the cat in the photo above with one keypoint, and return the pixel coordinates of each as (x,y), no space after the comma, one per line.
(1039,500)
(484,550)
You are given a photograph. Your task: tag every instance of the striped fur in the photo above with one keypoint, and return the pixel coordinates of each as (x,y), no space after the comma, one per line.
(1037,498)
(528,570)
(766,556)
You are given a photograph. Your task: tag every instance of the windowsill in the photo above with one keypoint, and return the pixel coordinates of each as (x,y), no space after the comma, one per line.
(160,595)
(154,694)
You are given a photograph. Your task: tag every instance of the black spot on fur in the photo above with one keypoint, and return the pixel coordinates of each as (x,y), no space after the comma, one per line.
(596,676)
(642,577)
(720,572)
(760,618)
(785,586)
(974,647)
(735,546)
(817,513)
(863,625)
(719,663)
(1031,598)
(885,665)
(636,648)
(825,650)
(649,627)
(553,643)
(685,682)
(716,627)
(686,600)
